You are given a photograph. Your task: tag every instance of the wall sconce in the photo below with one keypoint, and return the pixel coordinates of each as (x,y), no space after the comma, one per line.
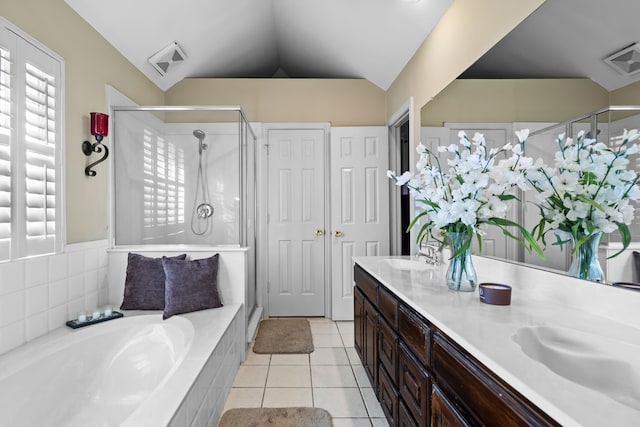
(99,129)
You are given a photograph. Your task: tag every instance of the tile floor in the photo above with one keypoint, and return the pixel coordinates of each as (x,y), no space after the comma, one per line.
(332,378)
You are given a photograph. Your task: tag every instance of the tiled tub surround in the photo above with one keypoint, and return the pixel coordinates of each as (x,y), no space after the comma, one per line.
(40,294)
(178,371)
(539,298)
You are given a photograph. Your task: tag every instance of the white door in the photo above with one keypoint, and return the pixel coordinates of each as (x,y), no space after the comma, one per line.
(296,222)
(359,206)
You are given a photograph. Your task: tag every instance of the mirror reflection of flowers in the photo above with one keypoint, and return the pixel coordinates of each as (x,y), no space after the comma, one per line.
(472,193)
(588,190)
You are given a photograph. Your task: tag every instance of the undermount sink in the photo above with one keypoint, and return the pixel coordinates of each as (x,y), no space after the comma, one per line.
(408,264)
(595,361)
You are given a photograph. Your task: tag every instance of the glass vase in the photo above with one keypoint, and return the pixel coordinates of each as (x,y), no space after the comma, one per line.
(585,263)
(461,275)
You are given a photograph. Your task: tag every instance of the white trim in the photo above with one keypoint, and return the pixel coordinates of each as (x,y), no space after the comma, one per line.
(404,113)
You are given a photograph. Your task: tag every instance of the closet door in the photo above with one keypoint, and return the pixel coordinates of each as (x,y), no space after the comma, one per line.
(296,222)
(359,206)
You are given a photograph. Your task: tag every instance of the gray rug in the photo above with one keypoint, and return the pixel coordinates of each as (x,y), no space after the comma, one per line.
(277,417)
(284,336)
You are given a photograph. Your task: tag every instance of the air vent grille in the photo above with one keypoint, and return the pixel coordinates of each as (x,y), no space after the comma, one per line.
(167,58)
(627,60)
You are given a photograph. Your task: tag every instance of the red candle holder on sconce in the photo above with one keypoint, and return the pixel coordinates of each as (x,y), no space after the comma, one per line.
(99,129)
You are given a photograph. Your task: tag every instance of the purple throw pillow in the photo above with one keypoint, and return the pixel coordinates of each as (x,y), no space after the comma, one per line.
(190,285)
(144,284)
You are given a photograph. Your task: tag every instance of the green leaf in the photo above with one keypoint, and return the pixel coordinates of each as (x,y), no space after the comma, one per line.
(626,238)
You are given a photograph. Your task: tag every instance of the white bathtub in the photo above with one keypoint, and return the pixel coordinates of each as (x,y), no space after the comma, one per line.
(134,371)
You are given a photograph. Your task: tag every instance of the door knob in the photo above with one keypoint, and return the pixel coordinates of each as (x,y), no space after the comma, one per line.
(338,233)
(319,232)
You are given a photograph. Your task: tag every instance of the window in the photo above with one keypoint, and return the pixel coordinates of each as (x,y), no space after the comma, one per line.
(30,146)
(163,187)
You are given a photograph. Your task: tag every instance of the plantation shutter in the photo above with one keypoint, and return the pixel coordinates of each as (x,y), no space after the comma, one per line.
(5,153)
(30,152)
(40,159)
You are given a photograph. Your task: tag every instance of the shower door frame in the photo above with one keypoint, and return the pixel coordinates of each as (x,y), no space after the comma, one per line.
(245,131)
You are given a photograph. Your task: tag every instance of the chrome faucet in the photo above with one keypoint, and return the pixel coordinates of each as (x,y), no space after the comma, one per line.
(431,253)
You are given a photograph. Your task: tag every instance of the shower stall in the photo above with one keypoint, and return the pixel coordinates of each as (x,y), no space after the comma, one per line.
(184,179)
(606,125)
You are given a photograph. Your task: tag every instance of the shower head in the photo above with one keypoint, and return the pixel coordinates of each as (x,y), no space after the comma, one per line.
(201,145)
(198,134)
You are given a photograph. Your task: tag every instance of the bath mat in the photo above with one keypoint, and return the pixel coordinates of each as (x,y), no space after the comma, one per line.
(277,417)
(284,336)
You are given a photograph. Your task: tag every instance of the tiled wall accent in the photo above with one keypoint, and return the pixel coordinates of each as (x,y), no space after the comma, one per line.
(40,294)
(204,404)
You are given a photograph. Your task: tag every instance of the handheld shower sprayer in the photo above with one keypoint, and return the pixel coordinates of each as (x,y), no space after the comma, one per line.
(200,136)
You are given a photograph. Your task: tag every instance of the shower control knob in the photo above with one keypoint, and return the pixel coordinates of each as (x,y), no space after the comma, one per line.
(319,232)
(338,233)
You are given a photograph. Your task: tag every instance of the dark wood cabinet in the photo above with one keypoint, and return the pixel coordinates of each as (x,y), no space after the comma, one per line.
(370,342)
(358,315)
(388,349)
(388,397)
(421,376)
(443,413)
(414,384)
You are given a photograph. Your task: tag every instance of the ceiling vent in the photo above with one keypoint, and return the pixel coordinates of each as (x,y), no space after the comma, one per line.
(167,58)
(627,60)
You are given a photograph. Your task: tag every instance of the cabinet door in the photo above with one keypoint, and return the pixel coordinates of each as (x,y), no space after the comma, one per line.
(443,413)
(414,385)
(388,397)
(405,419)
(388,349)
(358,321)
(370,343)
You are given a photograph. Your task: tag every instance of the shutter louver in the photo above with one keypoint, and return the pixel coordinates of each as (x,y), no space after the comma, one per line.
(5,153)
(40,165)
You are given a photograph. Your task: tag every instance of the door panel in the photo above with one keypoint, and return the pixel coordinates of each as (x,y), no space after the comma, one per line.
(296,211)
(359,206)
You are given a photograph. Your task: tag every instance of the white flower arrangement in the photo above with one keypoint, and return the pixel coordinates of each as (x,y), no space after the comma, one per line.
(588,190)
(472,193)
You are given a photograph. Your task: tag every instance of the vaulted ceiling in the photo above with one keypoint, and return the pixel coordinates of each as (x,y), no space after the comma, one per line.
(566,39)
(370,39)
(264,38)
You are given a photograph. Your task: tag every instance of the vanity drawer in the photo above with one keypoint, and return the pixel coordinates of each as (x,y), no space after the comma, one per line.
(388,349)
(471,386)
(367,284)
(416,334)
(414,384)
(388,306)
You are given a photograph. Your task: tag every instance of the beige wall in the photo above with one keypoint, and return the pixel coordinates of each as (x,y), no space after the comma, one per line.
(90,64)
(468,29)
(506,101)
(342,102)
(628,95)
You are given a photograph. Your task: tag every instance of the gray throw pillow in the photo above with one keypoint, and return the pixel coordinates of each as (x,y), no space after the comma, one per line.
(636,264)
(144,284)
(190,285)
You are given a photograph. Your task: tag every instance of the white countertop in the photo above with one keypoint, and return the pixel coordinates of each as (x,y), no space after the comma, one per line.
(539,298)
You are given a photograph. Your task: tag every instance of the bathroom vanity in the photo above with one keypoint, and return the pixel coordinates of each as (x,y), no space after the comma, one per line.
(565,352)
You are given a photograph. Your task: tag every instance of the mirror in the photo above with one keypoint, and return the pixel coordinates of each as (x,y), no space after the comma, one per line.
(502,102)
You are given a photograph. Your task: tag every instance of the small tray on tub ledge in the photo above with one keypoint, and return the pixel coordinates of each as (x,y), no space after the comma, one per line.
(75,324)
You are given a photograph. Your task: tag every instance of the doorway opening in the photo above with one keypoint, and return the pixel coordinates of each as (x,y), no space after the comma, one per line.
(405,198)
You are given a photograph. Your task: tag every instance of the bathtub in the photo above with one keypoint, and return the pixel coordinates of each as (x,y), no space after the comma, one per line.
(134,371)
